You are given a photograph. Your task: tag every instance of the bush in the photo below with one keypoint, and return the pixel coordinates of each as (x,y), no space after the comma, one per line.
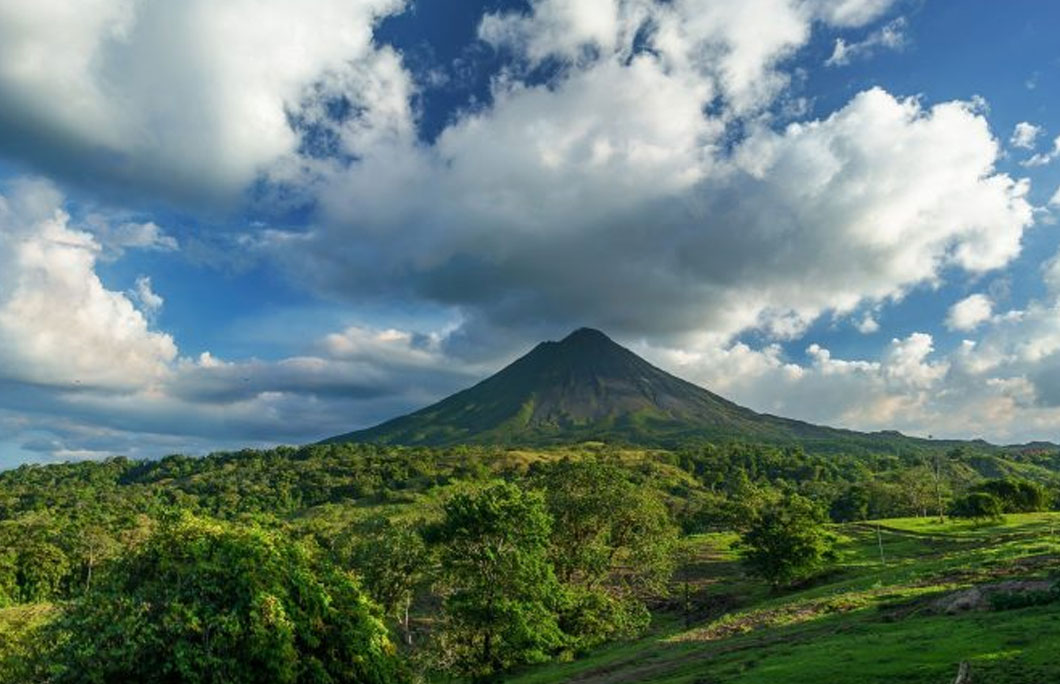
(1016,496)
(1012,600)
(787,541)
(978,506)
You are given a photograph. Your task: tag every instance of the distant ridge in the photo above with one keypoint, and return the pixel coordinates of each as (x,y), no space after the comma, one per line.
(587,387)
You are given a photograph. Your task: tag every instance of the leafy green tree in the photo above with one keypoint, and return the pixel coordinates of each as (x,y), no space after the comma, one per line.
(787,541)
(981,506)
(916,491)
(391,560)
(93,545)
(606,529)
(612,544)
(500,587)
(42,567)
(851,505)
(204,601)
(23,643)
(8,577)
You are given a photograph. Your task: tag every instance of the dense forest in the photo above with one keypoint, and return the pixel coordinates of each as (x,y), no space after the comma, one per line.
(342,562)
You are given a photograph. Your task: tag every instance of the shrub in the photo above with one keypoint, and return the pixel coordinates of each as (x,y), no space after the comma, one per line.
(978,506)
(787,541)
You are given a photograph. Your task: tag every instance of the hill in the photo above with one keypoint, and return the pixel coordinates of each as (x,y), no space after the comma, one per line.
(587,387)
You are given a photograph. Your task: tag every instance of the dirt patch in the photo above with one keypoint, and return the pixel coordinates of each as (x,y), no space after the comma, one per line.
(736,624)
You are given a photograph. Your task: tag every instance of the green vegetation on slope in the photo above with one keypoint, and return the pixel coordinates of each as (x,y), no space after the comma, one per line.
(591,548)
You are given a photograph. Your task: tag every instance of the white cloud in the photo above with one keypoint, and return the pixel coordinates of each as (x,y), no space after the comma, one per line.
(149,300)
(909,388)
(116,237)
(867,325)
(1024,135)
(187,98)
(59,325)
(82,365)
(1003,386)
(604,200)
(84,375)
(563,28)
(891,36)
(848,13)
(638,190)
(892,392)
(970,312)
(732,48)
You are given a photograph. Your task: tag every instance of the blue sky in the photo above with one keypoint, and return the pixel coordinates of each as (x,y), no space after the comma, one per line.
(269,222)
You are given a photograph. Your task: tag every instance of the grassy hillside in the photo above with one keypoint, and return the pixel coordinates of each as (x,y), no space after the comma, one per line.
(866,621)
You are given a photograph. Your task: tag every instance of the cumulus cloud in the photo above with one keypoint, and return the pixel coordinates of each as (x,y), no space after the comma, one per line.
(733,48)
(59,325)
(968,313)
(83,373)
(356,363)
(1004,385)
(614,161)
(911,387)
(891,36)
(602,200)
(1025,135)
(209,402)
(867,325)
(892,392)
(186,99)
(116,237)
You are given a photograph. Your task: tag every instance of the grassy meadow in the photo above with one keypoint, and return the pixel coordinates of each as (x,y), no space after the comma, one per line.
(863,621)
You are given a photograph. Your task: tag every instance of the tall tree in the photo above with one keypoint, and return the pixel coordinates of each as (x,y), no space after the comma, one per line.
(606,529)
(501,591)
(612,544)
(391,560)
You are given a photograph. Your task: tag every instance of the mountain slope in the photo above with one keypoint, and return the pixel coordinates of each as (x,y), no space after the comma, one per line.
(588,387)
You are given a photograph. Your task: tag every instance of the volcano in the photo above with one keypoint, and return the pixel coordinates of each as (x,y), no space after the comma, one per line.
(587,387)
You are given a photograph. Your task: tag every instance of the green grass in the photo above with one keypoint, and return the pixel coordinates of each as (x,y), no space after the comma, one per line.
(865,621)
(1044,523)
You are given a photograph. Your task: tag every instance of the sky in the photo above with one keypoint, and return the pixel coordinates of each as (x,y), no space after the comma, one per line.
(256,222)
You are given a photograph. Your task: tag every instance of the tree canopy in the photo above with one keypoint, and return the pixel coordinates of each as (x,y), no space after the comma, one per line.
(204,601)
